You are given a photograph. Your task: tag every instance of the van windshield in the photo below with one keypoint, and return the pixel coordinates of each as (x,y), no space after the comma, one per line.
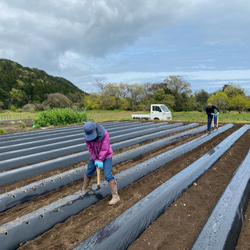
(164,108)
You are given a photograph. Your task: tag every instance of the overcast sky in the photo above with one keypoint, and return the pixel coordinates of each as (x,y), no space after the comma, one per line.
(207,42)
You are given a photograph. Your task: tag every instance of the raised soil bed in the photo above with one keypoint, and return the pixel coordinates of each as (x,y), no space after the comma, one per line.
(177,228)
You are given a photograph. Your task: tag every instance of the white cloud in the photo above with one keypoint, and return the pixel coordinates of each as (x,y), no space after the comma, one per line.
(214,79)
(194,75)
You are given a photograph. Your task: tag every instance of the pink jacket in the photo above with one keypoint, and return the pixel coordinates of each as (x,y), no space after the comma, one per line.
(100,150)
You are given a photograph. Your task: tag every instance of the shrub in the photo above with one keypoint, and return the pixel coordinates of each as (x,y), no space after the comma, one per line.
(2,131)
(32,107)
(57,100)
(59,117)
(13,108)
(39,107)
(29,107)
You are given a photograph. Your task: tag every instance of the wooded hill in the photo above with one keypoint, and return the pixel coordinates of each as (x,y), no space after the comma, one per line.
(22,85)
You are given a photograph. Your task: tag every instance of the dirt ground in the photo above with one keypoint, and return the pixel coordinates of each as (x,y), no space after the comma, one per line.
(177,228)
(16,126)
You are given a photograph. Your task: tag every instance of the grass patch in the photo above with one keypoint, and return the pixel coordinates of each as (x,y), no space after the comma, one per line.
(108,115)
(195,116)
(190,116)
(2,131)
(10,115)
(119,115)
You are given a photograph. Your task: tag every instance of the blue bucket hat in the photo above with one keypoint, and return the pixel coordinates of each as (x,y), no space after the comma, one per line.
(90,133)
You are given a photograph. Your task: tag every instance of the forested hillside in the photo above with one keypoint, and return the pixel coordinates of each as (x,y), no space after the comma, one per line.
(29,88)
(22,85)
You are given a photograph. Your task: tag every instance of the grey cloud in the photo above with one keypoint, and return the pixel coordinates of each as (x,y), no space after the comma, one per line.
(78,39)
(90,27)
(95,28)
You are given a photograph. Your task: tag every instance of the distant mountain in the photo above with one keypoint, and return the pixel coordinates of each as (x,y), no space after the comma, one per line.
(21,85)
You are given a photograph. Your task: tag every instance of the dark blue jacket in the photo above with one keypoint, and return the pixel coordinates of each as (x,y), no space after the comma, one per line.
(211,110)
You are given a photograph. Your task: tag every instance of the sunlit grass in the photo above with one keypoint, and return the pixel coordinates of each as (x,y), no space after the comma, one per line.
(189,116)
(195,116)
(108,115)
(10,115)
(117,115)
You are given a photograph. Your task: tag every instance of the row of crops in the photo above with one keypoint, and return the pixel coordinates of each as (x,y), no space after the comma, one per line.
(29,154)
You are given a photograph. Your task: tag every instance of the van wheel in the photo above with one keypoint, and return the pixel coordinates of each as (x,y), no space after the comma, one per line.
(156,119)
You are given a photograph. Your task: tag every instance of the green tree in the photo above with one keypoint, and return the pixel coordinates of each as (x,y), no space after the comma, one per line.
(111,95)
(4,98)
(201,98)
(136,94)
(180,89)
(16,96)
(248,103)
(219,99)
(192,104)
(108,103)
(159,96)
(233,90)
(116,93)
(238,103)
(34,85)
(93,101)
(151,89)
(1,105)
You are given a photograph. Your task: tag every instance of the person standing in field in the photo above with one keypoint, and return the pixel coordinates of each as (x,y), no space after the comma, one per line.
(98,144)
(211,115)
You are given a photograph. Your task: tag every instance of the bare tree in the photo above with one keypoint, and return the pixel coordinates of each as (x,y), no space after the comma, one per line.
(178,85)
(100,85)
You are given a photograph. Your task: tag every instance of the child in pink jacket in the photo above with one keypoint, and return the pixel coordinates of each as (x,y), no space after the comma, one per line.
(97,141)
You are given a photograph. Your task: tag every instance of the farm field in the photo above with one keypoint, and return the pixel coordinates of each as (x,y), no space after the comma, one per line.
(177,228)
(15,122)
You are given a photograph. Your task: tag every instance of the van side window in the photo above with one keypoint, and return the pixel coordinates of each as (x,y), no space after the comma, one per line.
(156,108)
